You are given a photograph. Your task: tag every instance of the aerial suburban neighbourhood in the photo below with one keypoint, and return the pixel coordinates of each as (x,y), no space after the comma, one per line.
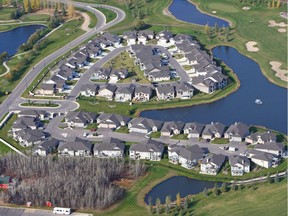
(160,107)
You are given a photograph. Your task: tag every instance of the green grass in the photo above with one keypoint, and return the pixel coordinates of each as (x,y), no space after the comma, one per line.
(124,130)
(123,60)
(187,67)
(93,18)
(5,13)
(180,137)
(220,141)
(110,15)
(35,17)
(155,134)
(40,104)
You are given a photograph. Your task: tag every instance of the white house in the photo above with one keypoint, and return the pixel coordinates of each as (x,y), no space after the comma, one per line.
(109,148)
(274,148)
(147,150)
(142,93)
(124,94)
(212,164)
(107,91)
(112,121)
(75,148)
(46,147)
(239,165)
(144,125)
(237,132)
(261,137)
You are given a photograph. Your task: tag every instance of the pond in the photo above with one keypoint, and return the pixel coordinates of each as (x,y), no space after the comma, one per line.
(11,40)
(178,184)
(188,12)
(239,106)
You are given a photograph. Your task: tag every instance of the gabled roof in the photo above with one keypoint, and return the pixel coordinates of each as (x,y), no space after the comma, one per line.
(89,87)
(217,159)
(31,112)
(81,116)
(273,146)
(48,86)
(47,144)
(194,127)
(238,159)
(238,129)
(183,86)
(76,145)
(110,144)
(172,125)
(165,89)
(25,122)
(266,136)
(31,135)
(109,87)
(115,118)
(145,123)
(189,153)
(262,156)
(214,128)
(148,146)
(125,90)
(143,89)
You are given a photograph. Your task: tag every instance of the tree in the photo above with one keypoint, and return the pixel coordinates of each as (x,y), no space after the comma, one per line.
(207,30)
(276,178)
(178,200)
(64,12)
(150,208)
(278,3)
(140,25)
(269,179)
(216,28)
(273,4)
(158,205)
(269,4)
(234,187)
(185,205)
(224,187)
(71,10)
(215,190)
(167,204)
(26,5)
(205,192)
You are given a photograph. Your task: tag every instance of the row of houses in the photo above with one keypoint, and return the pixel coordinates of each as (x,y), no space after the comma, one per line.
(142,93)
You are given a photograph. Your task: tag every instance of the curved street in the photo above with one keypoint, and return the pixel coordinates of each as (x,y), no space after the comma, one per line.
(14,99)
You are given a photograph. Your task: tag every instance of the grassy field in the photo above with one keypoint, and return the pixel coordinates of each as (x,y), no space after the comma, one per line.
(5,13)
(110,15)
(93,18)
(123,60)
(35,17)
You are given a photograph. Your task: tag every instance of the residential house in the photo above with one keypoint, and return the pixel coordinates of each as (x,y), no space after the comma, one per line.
(188,157)
(109,148)
(193,130)
(80,118)
(142,93)
(131,37)
(114,39)
(261,137)
(112,121)
(172,128)
(263,159)
(89,90)
(37,114)
(144,35)
(46,147)
(159,76)
(213,130)
(28,137)
(144,125)
(147,150)
(25,122)
(93,50)
(212,164)
(165,92)
(239,165)
(79,60)
(237,132)
(203,84)
(101,74)
(184,90)
(67,73)
(46,89)
(118,74)
(274,148)
(124,94)
(78,147)
(107,91)
(60,83)
(165,37)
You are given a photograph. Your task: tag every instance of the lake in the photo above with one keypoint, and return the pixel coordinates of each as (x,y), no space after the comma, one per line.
(239,106)
(178,184)
(11,40)
(188,12)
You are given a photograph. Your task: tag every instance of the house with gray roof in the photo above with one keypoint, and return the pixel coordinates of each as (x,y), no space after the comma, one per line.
(80,119)
(112,121)
(67,73)
(165,92)
(204,84)
(212,164)
(28,137)
(159,76)
(59,82)
(39,114)
(144,125)
(107,91)
(147,150)
(131,37)
(239,165)
(118,74)
(188,157)
(237,132)
(46,89)
(263,159)
(114,39)
(25,122)
(78,147)
(46,147)
(89,90)
(142,93)
(124,93)
(109,148)
(172,128)
(184,90)
(213,130)
(193,130)
(144,35)
(274,148)
(261,137)
(101,74)
(93,50)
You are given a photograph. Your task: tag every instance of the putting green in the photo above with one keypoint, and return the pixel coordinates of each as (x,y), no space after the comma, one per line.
(223,7)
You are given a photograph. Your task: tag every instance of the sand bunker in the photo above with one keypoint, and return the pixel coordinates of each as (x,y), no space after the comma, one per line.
(250,46)
(246,8)
(282,30)
(272,23)
(214,12)
(282,74)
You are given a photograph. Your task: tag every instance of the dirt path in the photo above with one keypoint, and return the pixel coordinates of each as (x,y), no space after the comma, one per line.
(282,74)
(85,25)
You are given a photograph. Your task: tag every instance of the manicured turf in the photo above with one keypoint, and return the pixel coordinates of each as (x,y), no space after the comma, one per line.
(5,13)
(35,17)
(110,15)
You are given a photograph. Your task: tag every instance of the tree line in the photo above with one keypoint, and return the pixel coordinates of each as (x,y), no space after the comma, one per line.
(75,182)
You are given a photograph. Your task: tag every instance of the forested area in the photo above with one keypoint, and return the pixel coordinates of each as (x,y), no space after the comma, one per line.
(67,182)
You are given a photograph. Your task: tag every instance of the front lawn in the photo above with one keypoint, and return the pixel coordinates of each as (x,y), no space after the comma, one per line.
(124,130)
(220,141)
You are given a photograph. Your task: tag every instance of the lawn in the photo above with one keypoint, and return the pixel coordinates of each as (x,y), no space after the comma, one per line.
(123,60)
(180,137)
(93,18)
(110,15)
(35,17)
(5,13)
(220,141)
(124,130)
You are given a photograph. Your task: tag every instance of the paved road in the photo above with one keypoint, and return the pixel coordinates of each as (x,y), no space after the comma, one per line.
(15,97)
